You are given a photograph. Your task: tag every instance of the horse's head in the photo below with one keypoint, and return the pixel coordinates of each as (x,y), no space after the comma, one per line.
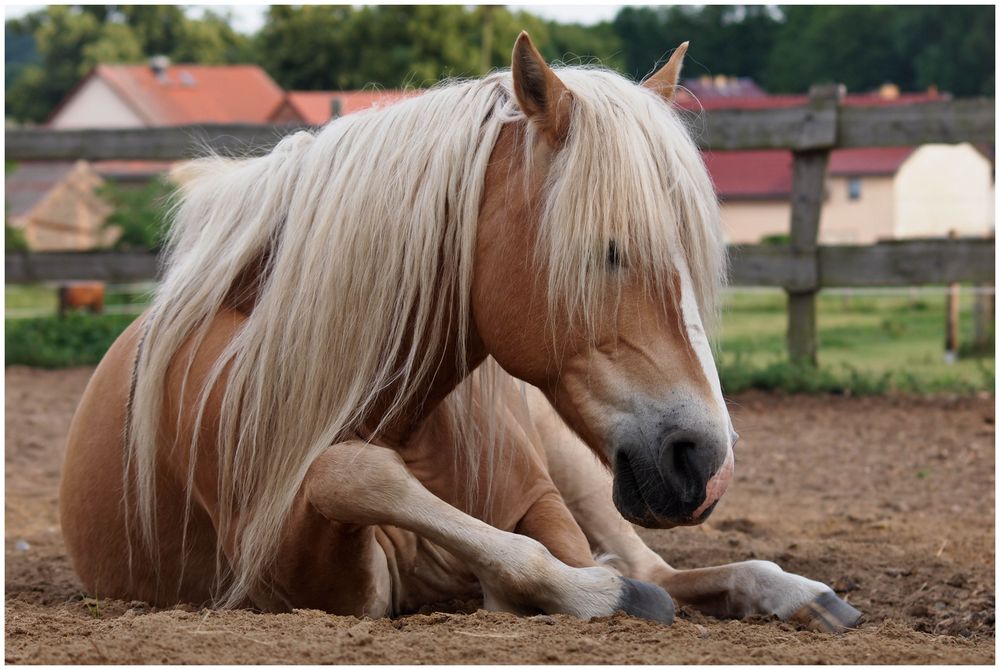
(598,259)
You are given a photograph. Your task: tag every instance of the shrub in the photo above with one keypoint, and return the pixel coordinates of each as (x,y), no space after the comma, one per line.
(53,342)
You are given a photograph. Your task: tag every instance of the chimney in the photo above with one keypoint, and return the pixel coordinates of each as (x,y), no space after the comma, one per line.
(888,91)
(159,65)
(336,108)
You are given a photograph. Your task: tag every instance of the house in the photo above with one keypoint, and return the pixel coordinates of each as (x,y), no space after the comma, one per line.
(871,193)
(56,206)
(317,107)
(162,94)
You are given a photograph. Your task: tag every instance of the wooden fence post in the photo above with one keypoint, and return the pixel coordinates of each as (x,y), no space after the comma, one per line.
(808,192)
(983,314)
(951,315)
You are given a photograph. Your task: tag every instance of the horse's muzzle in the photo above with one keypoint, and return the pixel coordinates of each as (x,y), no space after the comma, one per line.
(675,483)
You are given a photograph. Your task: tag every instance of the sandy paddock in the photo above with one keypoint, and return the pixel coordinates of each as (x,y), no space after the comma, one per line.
(888,500)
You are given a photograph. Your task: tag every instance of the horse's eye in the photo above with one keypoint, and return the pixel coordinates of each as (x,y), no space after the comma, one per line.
(615,258)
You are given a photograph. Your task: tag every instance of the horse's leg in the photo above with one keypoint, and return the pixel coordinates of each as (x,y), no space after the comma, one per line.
(363,484)
(734,590)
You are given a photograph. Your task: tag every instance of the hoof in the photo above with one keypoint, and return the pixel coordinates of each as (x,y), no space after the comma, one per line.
(646,601)
(828,614)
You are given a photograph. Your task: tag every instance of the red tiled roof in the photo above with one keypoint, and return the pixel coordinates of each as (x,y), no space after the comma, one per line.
(750,174)
(765,175)
(868,161)
(316,107)
(185,94)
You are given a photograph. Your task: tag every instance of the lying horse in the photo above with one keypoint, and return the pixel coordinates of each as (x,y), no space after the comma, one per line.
(295,422)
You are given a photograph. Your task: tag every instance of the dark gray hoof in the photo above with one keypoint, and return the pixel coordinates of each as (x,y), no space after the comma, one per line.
(828,614)
(646,601)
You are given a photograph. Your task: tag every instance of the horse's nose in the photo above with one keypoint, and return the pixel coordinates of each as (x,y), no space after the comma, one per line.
(675,480)
(688,459)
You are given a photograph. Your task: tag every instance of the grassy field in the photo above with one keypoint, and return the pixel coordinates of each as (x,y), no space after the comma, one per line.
(883,341)
(868,343)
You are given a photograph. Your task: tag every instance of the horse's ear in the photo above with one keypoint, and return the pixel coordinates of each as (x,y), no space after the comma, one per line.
(543,98)
(665,81)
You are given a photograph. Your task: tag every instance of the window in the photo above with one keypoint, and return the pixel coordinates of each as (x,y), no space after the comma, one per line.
(854,188)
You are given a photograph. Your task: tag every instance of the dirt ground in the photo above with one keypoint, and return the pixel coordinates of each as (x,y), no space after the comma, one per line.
(888,500)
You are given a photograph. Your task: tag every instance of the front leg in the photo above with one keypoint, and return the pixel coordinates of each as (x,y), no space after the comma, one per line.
(741,589)
(363,484)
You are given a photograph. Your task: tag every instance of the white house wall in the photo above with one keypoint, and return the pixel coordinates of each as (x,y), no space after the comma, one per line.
(941,188)
(96,105)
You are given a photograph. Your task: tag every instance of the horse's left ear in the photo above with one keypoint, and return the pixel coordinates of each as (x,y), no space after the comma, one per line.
(665,81)
(543,98)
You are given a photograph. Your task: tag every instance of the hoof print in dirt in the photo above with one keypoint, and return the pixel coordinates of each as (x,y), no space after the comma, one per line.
(646,601)
(828,614)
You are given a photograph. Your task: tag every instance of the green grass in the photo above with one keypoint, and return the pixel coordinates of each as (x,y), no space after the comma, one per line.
(868,344)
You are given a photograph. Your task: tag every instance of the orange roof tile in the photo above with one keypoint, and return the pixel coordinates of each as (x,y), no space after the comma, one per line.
(185,94)
(316,107)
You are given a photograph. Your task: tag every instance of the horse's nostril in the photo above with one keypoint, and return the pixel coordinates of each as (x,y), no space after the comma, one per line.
(683,456)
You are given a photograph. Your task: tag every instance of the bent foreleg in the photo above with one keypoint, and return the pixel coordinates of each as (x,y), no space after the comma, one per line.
(360,483)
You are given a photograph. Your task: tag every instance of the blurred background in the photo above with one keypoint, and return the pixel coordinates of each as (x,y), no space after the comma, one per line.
(78,68)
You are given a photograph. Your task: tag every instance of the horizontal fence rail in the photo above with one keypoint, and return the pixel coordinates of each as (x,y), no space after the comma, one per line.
(902,263)
(822,125)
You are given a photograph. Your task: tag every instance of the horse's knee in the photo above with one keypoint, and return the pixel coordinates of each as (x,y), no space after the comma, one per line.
(354,482)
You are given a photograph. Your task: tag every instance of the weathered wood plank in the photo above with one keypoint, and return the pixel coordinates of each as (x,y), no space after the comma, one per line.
(168,143)
(21,268)
(902,263)
(908,263)
(945,122)
(768,265)
(795,128)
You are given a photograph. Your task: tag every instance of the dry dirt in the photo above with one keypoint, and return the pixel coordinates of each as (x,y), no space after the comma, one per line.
(889,500)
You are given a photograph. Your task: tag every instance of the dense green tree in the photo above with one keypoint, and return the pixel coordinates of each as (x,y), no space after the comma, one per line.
(725,39)
(863,46)
(68,42)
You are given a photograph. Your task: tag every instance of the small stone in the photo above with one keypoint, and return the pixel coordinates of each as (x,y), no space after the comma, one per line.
(543,618)
(22,545)
(957,580)
(702,631)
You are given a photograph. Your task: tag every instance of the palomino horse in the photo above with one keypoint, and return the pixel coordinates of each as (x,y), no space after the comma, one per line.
(293,422)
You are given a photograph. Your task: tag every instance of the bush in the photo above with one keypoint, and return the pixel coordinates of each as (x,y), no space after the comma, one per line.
(738,374)
(13,239)
(53,342)
(139,212)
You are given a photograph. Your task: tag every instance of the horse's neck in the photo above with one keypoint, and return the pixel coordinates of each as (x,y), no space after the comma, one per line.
(412,415)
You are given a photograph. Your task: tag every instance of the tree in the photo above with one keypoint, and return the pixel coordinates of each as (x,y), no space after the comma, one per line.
(68,41)
(864,46)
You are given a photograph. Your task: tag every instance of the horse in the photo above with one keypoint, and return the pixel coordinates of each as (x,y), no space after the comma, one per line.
(445,349)
(88,294)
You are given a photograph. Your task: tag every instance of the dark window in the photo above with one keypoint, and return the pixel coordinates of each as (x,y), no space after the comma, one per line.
(854,188)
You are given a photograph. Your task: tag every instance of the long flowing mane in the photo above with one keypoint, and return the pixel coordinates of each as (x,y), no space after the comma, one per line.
(363,235)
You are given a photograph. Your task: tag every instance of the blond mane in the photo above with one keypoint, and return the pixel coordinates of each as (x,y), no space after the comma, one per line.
(368,231)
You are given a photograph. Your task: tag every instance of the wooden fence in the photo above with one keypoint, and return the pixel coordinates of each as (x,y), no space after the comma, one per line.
(802,267)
